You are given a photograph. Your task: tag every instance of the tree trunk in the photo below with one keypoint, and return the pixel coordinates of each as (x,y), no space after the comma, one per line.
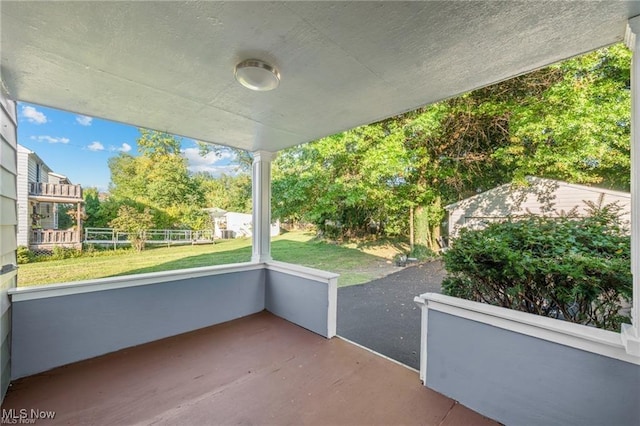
(421,227)
(427,225)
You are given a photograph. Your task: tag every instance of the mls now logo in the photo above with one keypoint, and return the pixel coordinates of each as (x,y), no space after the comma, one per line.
(25,416)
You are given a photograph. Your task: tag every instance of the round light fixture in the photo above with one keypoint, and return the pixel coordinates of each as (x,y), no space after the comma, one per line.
(257,75)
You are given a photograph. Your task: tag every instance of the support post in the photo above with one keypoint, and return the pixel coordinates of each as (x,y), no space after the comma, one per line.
(631,333)
(79,225)
(261,194)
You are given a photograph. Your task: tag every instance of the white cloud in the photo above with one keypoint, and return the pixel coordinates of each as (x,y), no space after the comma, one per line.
(217,171)
(95,146)
(125,147)
(226,155)
(211,163)
(33,115)
(83,120)
(50,139)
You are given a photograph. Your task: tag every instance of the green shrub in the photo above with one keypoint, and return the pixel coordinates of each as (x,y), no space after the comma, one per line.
(60,253)
(576,269)
(25,255)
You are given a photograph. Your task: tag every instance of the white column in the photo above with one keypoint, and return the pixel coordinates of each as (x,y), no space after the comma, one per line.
(631,333)
(261,193)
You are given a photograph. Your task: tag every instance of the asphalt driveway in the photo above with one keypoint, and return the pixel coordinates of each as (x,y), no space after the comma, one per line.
(381,314)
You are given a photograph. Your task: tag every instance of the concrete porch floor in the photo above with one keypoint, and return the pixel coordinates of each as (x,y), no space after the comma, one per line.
(255,370)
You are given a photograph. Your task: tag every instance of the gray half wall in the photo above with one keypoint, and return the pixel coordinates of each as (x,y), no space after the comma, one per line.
(55,331)
(522,380)
(300,300)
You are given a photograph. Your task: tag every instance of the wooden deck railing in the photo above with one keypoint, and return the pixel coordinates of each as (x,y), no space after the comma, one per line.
(55,190)
(54,236)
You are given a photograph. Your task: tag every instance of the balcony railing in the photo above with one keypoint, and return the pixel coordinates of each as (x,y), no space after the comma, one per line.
(54,237)
(55,190)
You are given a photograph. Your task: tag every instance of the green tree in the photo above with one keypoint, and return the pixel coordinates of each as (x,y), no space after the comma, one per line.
(128,177)
(99,213)
(92,208)
(569,121)
(152,143)
(577,129)
(347,184)
(231,193)
(66,216)
(195,218)
(135,224)
(158,178)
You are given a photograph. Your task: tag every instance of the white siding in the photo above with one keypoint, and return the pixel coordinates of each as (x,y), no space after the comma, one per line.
(542,197)
(23,196)
(53,178)
(32,175)
(28,165)
(8,222)
(240,223)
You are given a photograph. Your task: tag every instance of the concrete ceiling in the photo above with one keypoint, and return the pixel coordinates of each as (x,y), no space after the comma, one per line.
(169,65)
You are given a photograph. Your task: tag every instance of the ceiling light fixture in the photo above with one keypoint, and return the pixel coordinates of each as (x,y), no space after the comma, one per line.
(257,75)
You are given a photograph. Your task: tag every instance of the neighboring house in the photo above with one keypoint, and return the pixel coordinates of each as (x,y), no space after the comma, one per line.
(543,197)
(42,194)
(235,225)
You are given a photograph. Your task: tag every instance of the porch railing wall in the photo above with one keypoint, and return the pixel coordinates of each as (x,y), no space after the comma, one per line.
(59,324)
(521,369)
(304,296)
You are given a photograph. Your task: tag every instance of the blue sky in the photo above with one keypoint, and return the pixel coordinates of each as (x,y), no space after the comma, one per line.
(78,146)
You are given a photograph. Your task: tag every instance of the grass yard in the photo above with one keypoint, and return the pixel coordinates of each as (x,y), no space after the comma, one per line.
(354,265)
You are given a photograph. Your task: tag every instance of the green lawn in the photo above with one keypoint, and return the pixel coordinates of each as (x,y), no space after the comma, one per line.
(354,266)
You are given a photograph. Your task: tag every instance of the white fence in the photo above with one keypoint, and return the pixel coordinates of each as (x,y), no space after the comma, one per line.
(109,236)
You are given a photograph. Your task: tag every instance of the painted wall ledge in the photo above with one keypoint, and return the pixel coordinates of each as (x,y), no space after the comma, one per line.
(590,339)
(77,287)
(301,271)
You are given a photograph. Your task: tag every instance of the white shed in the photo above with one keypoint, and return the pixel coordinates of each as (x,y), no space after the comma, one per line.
(242,225)
(544,197)
(235,225)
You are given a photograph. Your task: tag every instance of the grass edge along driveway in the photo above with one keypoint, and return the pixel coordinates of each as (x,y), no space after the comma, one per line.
(353,265)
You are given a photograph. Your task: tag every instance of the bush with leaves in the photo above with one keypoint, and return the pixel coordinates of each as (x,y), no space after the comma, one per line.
(576,269)
(61,253)
(25,255)
(134,223)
